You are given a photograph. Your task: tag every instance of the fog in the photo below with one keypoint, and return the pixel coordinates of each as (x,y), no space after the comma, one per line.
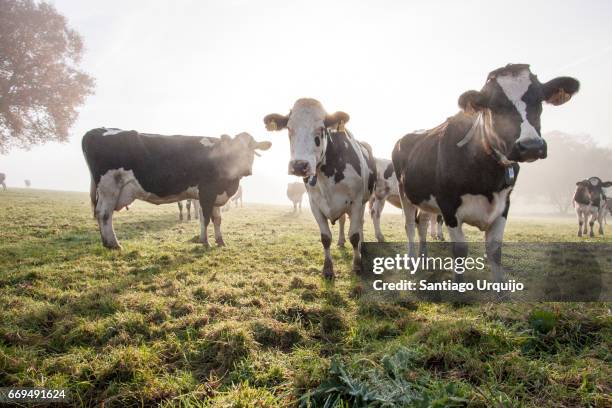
(208,68)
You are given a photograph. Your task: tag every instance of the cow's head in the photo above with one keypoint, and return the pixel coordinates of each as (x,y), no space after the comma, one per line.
(592,189)
(308,125)
(236,155)
(514,96)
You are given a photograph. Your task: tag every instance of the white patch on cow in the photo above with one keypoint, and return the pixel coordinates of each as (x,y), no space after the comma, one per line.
(111,131)
(476,210)
(221,199)
(515,87)
(307,117)
(594,181)
(208,142)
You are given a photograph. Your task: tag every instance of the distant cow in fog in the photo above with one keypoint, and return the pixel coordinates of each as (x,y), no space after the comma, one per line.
(3,181)
(590,203)
(188,204)
(127,165)
(295,192)
(234,199)
(387,189)
(27,182)
(340,170)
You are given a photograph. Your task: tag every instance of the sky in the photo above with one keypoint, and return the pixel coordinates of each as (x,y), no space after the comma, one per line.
(213,67)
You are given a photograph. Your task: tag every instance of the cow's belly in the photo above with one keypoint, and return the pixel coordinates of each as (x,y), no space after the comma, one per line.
(394,199)
(478,211)
(588,209)
(334,200)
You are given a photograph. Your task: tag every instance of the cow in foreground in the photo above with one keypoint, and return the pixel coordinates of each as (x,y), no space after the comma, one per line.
(295,192)
(128,165)
(591,203)
(339,170)
(3,181)
(387,189)
(188,204)
(466,168)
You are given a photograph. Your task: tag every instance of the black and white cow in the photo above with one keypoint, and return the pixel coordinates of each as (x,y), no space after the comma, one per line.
(387,189)
(466,168)
(3,181)
(590,201)
(188,204)
(127,165)
(27,183)
(295,192)
(339,170)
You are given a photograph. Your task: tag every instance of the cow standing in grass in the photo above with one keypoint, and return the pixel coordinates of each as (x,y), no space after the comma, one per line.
(340,171)
(127,165)
(590,203)
(295,192)
(465,169)
(3,181)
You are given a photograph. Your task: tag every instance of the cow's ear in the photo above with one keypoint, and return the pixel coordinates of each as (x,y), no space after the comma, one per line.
(274,121)
(265,145)
(473,101)
(559,90)
(582,183)
(337,120)
(607,184)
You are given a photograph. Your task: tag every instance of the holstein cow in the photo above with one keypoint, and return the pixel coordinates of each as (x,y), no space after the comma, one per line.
(590,201)
(295,192)
(3,181)
(237,196)
(188,204)
(466,168)
(387,189)
(127,165)
(339,170)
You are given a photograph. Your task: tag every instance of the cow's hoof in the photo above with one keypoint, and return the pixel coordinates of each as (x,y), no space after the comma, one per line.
(341,243)
(220,242)
(205,244)
(328,269)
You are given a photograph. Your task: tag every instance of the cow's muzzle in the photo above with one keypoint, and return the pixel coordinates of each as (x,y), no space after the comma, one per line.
(529,150)
(299,168)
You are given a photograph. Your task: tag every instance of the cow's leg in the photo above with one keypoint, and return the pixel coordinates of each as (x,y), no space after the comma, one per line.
(3,186)
(600,218)
(423,223)
(300,205)
(207,205)
(326,239)
(440,223)
(180,206)
(196,209)
(216,219)
(109,189)
(459,246)
(409,211)
(341,237)
(240,201)
(432,228)
(203,229)
(592,224)
(356,233)
(188,210)
(580,221)
(294,207)
(494,237)
(376,208)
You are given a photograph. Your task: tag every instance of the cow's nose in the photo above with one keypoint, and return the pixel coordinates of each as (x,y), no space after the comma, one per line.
(532,149)
(298,167)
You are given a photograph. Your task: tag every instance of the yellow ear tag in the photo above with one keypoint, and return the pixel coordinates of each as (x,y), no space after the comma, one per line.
(341,126)
(271,125)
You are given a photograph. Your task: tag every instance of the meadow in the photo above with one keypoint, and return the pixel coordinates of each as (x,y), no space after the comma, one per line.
(167,322)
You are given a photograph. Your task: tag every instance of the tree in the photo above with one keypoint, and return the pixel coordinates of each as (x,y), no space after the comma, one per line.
(40,82)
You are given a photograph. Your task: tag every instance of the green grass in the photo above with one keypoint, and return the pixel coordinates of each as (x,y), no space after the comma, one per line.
(168,322)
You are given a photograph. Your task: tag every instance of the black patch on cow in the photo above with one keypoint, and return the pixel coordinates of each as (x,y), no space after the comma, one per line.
(388,171)
(354,238)
(430,164)
(338,154)
(317,141)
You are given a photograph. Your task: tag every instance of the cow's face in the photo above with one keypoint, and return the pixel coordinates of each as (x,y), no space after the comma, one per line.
(308,126)
(592,189)
(238,154)
(514,97)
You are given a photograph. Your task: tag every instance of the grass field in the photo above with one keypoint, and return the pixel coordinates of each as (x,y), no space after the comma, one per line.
(168,322)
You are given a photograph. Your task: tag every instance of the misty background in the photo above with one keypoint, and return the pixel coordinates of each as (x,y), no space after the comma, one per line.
(213,67)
